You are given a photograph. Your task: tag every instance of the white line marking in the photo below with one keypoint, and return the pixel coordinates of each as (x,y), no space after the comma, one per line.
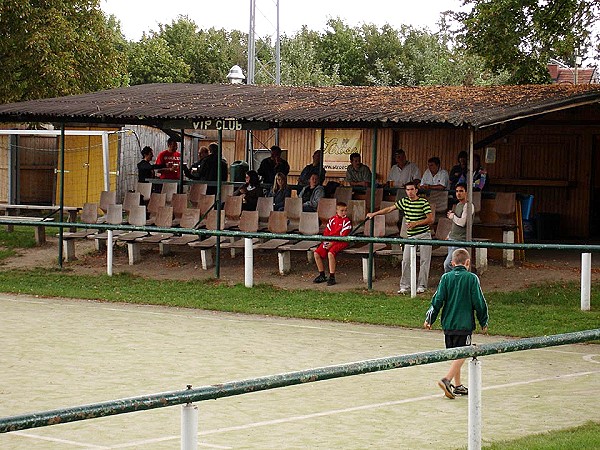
(164,439)
(590,358)
(60,441)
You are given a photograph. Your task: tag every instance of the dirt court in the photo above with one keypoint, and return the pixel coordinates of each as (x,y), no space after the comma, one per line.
(184,263)
(59,353)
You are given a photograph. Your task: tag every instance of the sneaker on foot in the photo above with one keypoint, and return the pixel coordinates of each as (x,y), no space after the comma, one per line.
(320,279)
(421,290)
(447,387)
(403,291)
(461,390)
(331,281)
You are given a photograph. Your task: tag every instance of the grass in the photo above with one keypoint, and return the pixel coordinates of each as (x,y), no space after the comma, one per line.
(539,310)
(21,237)
(586,436)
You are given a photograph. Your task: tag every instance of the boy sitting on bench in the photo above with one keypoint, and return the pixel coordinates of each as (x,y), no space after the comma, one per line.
(338,225)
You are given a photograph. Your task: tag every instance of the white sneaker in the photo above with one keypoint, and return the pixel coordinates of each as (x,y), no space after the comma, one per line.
(421,290)
(403,291)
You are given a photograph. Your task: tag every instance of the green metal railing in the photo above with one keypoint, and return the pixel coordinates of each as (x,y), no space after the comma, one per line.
(165,399)
(351,239)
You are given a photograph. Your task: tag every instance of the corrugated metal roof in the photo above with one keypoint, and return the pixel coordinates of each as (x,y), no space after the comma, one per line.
(305,106)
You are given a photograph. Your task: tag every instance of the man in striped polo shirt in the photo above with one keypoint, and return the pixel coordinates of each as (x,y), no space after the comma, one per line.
(418,216)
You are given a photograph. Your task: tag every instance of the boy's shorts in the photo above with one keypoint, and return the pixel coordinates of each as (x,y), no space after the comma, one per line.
(457,340)
(334,248)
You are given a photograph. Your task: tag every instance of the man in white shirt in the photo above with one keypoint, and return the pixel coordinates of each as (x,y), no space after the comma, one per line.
(435,178)
(403,171)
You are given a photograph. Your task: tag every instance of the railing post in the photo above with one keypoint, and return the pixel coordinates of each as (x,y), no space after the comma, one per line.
(413,271)
(586,277)
(474,405)
(109,253)
(249,263)
(189,426)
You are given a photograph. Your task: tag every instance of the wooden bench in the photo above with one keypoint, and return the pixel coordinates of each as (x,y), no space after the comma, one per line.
(12,212)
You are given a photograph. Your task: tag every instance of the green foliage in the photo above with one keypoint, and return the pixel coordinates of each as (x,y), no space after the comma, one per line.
(151,61)
(585,436)
(548,309)
(520,36)
(56,48)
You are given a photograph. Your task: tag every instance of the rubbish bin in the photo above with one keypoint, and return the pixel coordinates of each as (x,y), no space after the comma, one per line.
(237,171)
(548,225)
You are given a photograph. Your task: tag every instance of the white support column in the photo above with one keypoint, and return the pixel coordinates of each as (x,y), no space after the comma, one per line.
(285,262)
(474,405)
(413,271)
(586,278)
(109,253)
(248,263)
(106,161)
(508,254)
(189,427)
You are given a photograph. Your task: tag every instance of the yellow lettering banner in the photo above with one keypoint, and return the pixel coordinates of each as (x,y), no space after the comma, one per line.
(339,145)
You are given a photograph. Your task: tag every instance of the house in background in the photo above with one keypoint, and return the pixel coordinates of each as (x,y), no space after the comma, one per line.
(563,74)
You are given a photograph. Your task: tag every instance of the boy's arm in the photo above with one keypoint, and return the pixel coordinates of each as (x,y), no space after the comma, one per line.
(437,301)
(480,305)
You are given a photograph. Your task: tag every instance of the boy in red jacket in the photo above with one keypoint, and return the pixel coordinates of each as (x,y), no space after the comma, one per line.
(338,225)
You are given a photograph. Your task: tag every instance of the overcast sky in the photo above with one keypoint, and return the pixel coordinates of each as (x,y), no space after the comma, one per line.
(137,16)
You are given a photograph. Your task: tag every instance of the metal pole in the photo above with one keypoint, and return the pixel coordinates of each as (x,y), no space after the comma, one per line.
(373,180)
(180,181)
(470,189)
(62,193)
(474,405)
(251,43)
(413,270)
(106,161)
(322,153)
(218,208)
(249,263)
(586,277)
(189,427)
(109,253)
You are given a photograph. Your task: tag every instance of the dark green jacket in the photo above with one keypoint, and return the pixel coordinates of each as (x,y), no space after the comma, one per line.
(459,297)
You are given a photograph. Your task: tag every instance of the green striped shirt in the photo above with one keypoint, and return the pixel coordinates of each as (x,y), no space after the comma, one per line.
(415,210)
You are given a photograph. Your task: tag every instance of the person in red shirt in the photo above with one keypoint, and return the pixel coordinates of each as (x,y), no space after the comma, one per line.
(170,159)
(338,225)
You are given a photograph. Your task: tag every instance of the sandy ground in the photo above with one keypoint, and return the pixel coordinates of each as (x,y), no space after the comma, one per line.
(58,353)
(184,263)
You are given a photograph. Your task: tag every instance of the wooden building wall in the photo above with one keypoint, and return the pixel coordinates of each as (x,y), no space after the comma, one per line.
(550,158)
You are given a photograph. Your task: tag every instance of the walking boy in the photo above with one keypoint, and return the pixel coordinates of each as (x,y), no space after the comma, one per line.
(338,225)
(459,296)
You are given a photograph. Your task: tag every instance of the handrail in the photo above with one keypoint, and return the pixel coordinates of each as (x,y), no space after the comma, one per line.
(290,236)
(161,400)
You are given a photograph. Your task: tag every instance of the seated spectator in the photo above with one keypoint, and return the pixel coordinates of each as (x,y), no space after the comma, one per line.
(357,174)
(280,191)
(338,225)
(459,170)
(479,175)
(311,194)
(314,167)
(193,171)
(435,178)
(250,191)
(403,171)
(270,166)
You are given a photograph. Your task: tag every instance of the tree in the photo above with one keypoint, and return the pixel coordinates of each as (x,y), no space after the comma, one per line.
(299,63)
(54,48)
(520,36)
(151,61)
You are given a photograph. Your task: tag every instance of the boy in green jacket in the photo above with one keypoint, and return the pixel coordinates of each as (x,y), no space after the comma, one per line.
(459,296)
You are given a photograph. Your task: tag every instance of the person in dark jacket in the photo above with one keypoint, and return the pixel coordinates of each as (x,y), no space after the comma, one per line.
(459,297)
(250,191)
(146,168)
(209,168)
(270,166)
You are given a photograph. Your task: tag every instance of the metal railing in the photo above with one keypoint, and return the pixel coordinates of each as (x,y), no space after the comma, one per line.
(212,392)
